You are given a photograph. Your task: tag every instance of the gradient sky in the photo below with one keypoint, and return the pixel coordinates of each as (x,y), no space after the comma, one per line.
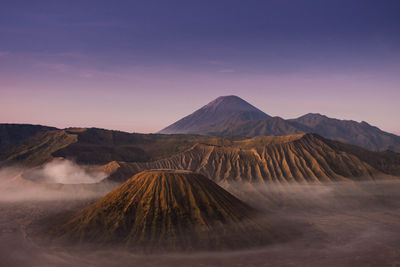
(141,65)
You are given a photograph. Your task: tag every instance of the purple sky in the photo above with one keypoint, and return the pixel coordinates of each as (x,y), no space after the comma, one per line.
(141,65)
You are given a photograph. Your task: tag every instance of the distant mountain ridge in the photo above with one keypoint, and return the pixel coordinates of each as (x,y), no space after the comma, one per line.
(232,116)
(349,131)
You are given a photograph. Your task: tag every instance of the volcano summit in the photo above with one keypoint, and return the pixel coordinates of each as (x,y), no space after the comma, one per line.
(216,115)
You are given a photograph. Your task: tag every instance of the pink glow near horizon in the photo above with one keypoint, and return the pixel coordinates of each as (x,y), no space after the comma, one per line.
(139,66)
(148,100)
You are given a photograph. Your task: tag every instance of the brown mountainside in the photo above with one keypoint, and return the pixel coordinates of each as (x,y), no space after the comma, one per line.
(99,146)
(37,149)
(12,134)
(166,209)
(295,158)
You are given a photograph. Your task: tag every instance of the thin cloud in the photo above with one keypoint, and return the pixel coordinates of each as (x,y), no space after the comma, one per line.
(227,70)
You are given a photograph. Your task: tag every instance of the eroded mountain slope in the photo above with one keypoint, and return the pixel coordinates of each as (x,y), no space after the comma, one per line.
(295,158)
(170,210)
(99,146)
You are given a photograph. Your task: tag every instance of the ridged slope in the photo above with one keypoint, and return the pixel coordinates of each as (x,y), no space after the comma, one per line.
(164,208)
(296,158)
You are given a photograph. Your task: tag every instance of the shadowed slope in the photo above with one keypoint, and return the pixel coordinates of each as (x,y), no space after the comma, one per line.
(169,209)
(37,149)
(99,146)
(11,134)
(357,133)
(232,116)
(386,161)
(274,126)
(294,158)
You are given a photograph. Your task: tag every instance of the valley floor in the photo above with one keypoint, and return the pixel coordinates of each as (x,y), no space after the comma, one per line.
(340,225)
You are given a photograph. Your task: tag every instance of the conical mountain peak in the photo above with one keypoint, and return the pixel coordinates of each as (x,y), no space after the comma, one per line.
(219,113)
(166,209)
(230,103)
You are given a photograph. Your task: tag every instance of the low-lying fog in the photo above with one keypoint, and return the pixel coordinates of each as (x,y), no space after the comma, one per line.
(342,224)
(56,180)
(68,172)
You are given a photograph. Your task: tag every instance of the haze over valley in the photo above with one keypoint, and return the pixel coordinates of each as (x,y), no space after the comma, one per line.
(259,193)
(199,133)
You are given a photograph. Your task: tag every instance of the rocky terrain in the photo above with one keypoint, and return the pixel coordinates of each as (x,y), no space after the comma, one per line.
(169,210)
(296,158)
